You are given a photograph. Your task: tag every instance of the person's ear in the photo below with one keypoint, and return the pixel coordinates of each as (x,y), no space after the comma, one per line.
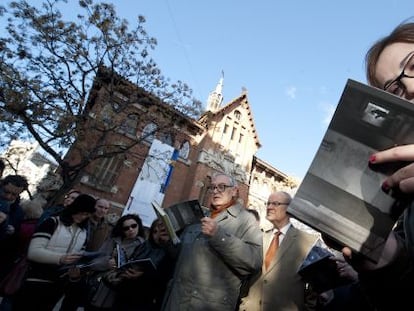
(235,192)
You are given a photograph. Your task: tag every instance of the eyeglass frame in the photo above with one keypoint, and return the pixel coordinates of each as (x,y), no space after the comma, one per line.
(276,203)
(224,187)
(402,75)
(132,226)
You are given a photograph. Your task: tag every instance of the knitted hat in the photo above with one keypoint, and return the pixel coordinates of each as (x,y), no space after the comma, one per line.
(82,203)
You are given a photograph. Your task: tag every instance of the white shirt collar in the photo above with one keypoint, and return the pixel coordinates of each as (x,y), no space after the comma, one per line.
(284,229)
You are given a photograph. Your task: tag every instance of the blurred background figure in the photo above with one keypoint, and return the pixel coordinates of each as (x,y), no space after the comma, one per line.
(100,228)
(11,217)
(55,210)
(32,210)
(2,167)
(160,243)
(348,295)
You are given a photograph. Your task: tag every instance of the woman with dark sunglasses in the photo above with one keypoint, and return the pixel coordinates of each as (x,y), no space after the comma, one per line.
(126,241)
(132,288)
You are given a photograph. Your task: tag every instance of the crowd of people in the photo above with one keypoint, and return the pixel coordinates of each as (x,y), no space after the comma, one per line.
(55,242)
(225,262)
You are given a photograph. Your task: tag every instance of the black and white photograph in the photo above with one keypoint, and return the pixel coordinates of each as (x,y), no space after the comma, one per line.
(341,194)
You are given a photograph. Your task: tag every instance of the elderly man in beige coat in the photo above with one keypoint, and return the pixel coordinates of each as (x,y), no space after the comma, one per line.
(279,287)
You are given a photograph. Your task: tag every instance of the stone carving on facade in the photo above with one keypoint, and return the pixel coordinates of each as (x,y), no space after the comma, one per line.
(239,173)
(223,163)
(211,160)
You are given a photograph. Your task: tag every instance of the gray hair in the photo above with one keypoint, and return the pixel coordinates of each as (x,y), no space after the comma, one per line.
(233,181)
(32,209)
(286,195)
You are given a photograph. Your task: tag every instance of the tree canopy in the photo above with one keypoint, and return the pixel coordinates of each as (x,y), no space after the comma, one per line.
(48,66)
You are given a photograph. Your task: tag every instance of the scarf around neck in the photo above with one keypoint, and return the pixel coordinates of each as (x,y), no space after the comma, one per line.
(216,211)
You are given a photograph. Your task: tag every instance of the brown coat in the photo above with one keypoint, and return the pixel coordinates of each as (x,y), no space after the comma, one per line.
(97,234)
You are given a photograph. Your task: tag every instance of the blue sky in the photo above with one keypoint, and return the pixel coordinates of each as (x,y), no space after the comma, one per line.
(293,57)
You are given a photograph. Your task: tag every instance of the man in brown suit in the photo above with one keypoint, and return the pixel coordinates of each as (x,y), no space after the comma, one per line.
(279,287)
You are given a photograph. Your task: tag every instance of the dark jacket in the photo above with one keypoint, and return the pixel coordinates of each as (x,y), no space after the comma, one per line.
(9,250)
(51,211)
(146,292)
(390,288)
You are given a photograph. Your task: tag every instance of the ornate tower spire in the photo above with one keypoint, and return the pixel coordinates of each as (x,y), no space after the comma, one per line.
(216,97)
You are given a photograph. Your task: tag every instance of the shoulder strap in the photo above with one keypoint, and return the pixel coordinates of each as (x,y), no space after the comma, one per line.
(56,220)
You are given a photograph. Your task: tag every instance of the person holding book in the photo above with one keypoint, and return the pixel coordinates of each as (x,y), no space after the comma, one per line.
(285,247)
(56,245)
(216,255)
(99,230)
(126,252)
(389,282)
(127,237)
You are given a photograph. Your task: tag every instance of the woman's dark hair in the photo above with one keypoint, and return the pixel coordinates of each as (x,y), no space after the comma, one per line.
(83,203)
(15,180)
(118,231)
(153,227)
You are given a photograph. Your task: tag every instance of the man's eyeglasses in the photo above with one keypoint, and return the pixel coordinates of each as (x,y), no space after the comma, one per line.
(396,86)
(275,203)
(219,187)
(133,226)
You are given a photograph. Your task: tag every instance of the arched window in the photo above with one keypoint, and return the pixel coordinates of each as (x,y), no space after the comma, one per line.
(184,150)
(148,133)
(237,114)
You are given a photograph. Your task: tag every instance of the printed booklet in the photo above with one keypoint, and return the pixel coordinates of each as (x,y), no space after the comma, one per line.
(341,194)
(142,264)
(178,216)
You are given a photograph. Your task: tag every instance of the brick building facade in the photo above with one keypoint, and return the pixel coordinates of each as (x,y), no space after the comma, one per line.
(223,139)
